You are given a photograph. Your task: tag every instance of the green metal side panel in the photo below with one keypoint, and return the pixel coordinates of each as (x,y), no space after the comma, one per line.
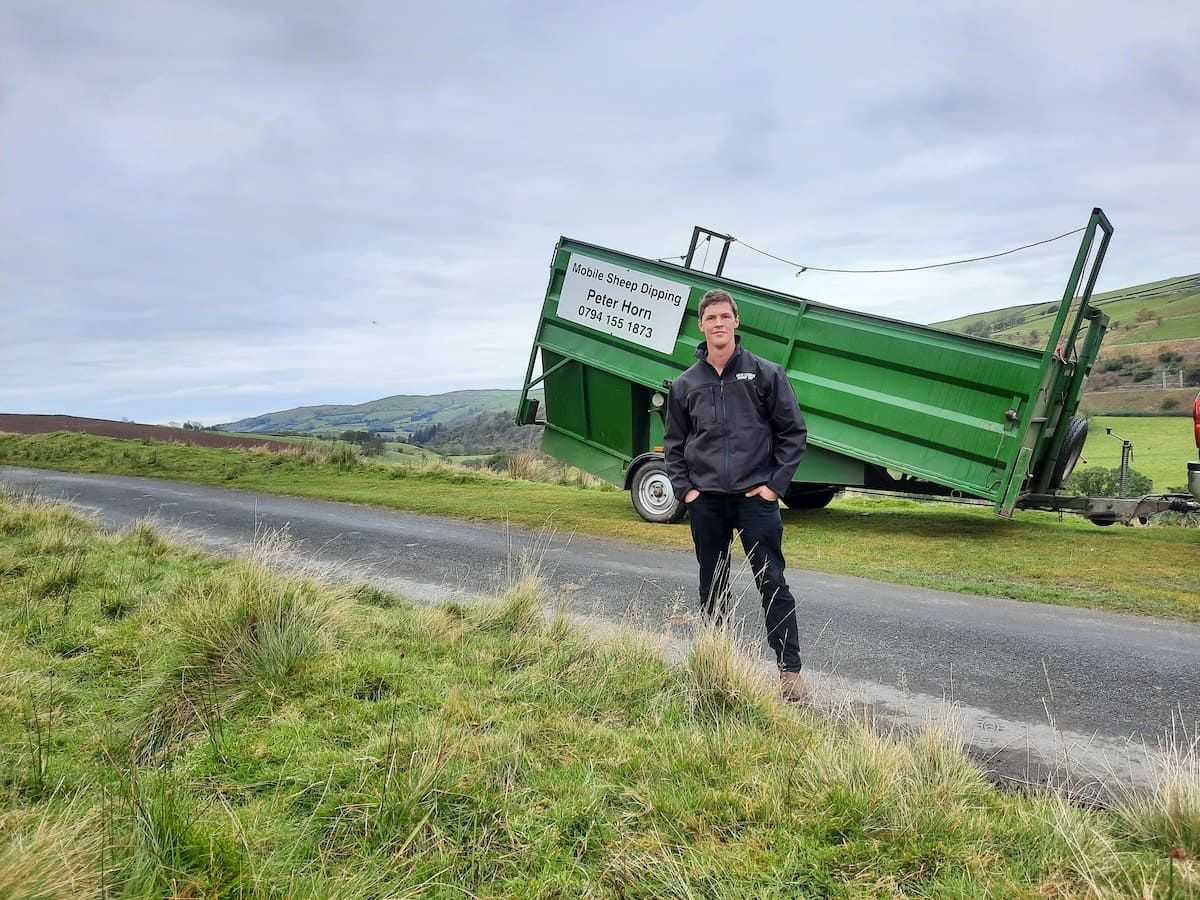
(916,400)
(821,466)
(600,461)
(970,414)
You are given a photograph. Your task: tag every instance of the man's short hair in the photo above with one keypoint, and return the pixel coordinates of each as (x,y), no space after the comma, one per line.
(716,296)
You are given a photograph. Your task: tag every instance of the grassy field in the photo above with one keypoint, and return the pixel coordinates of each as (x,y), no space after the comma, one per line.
(298,440)
(1036,557)
(1146,321)
(392,450)
(177,725)
(1139,319)
(1155,312)
(1162,446)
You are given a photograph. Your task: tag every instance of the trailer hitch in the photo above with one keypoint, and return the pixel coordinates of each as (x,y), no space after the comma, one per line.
(1108,510)
(1113,510)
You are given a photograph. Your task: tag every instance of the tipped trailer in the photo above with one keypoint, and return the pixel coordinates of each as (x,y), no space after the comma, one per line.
(890,405)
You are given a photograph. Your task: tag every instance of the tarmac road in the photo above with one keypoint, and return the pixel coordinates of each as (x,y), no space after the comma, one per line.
(1040,693)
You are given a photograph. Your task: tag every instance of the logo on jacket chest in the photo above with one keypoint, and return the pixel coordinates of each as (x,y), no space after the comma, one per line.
(745,376)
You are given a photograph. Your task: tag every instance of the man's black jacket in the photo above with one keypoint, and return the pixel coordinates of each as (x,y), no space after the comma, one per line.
(731,432)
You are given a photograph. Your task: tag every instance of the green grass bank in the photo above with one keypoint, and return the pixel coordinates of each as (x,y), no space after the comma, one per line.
(172,724)
(1038,556)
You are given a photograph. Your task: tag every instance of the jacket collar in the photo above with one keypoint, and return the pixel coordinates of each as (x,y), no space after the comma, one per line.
(702,349)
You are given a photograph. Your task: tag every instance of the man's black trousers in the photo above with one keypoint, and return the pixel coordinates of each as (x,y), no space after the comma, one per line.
(714,517)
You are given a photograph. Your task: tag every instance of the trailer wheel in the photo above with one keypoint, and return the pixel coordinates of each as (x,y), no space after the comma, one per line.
(1072,448)
(652,494)
(808,497)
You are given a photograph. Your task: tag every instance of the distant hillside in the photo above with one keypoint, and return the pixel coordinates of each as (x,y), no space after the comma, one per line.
(392,417)
(1149,364)
(1150,360)
(485,433)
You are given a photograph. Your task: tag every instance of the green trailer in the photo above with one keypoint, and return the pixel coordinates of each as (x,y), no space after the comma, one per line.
(889,405)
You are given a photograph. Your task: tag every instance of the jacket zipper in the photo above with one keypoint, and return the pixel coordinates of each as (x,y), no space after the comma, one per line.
(725,430)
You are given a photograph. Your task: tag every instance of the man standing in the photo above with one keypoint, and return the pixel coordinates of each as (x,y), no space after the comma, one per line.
(734,437)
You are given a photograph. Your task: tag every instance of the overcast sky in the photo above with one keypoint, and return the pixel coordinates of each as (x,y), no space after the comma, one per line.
(210,210)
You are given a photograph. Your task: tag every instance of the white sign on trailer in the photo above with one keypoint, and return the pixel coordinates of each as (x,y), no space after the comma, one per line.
(640,308)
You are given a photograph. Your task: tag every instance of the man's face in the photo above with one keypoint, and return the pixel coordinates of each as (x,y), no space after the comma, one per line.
(717,325)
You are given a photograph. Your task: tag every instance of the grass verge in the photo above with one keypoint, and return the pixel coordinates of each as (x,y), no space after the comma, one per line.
(325,747)
(1038,557)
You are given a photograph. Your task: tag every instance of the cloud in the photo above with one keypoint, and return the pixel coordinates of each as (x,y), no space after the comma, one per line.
(212,209)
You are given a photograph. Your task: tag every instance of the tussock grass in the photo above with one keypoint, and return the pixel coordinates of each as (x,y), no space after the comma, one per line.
(528,466)
(286,744)
(58,539)
(63,574)
(54,851)
(143,538)
(168,842)
(911,787)
(518,612)
(344,456)
(245,631)
(722,682)
(1168,815)
(534,466)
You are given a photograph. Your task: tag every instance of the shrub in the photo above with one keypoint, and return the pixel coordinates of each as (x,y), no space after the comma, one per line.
(1169,403)
(1102,482)
(499,461)
(371,444)
(1125,362)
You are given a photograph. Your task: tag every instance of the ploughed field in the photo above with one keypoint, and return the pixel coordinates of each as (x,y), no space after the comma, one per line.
(35,424)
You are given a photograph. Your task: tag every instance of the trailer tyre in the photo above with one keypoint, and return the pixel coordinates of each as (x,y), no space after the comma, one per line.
(808,497)
(1072,448)
(652,494)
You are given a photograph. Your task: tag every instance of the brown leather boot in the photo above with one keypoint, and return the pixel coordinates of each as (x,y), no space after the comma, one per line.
(791,687)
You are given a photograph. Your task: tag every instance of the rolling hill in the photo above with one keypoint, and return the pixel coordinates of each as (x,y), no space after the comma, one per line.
(397,416)
(1150,360)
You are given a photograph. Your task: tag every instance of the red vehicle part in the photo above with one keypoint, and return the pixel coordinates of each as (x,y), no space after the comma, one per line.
(1196,420)
(1193,468)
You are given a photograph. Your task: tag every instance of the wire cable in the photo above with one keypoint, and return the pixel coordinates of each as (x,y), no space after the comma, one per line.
(957,262)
